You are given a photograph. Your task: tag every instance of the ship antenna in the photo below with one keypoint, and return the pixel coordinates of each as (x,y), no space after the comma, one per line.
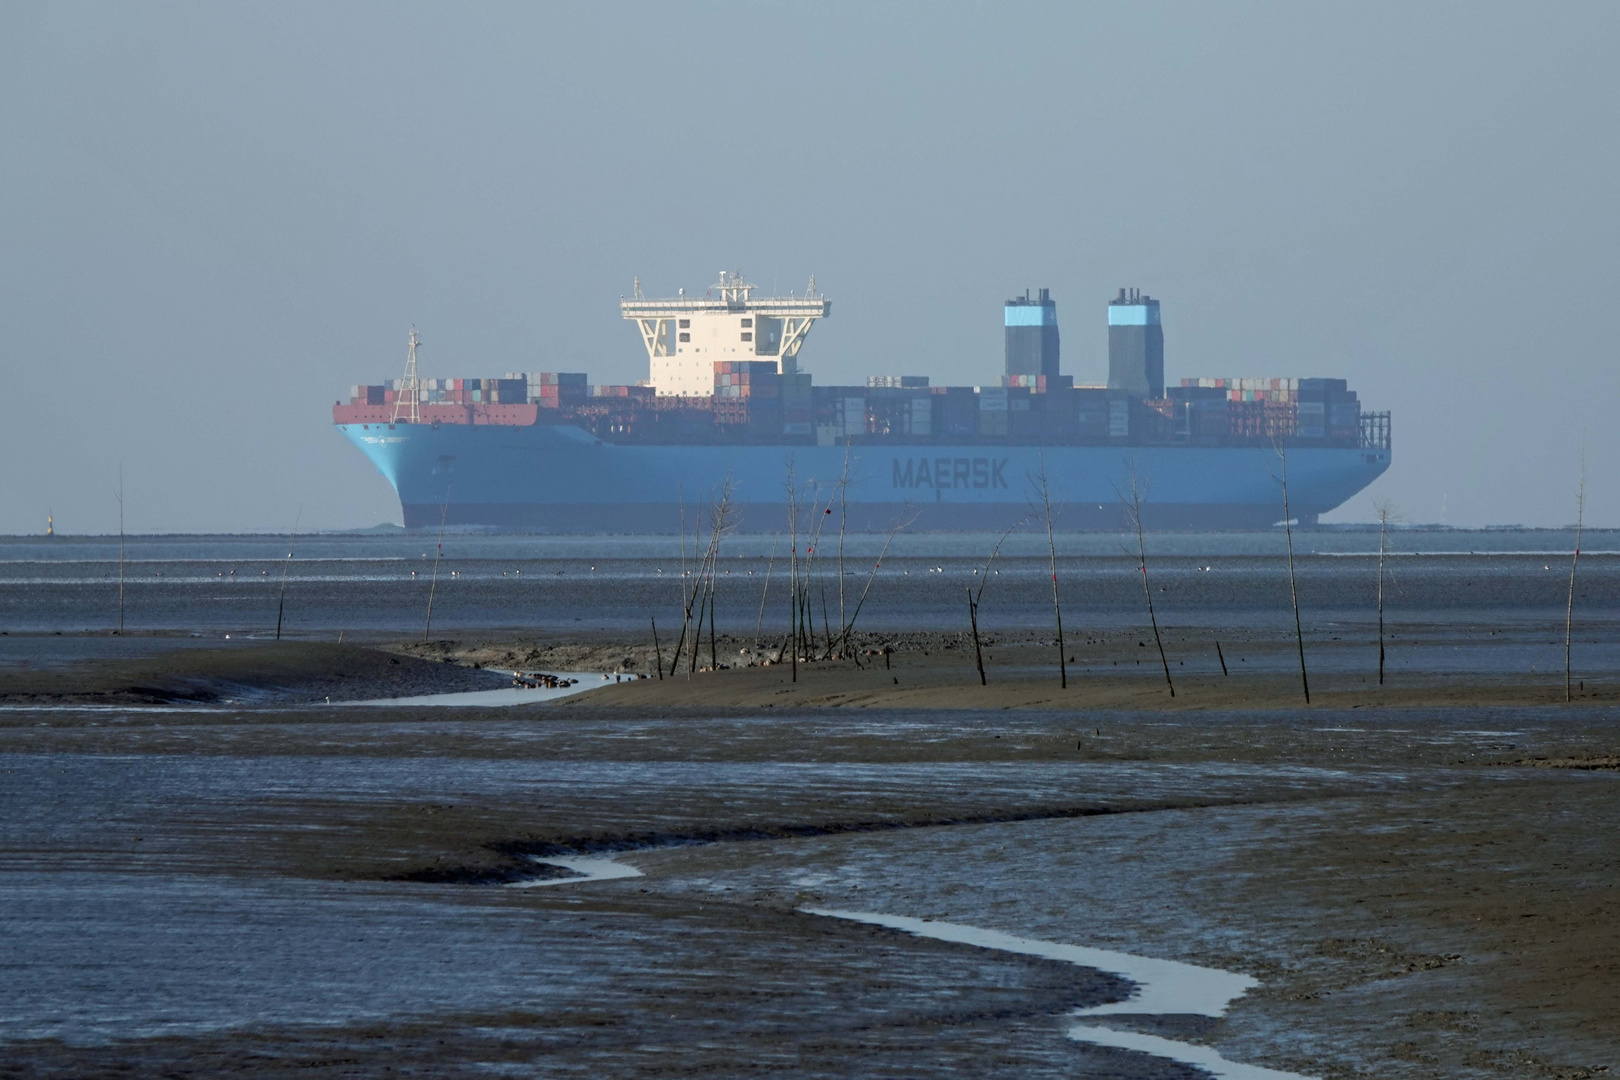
(409,387)
(639,296)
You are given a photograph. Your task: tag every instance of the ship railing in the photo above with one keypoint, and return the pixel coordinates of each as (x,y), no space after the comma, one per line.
(1375,431)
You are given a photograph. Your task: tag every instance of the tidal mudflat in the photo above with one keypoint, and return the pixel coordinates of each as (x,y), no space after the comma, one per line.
(254,889)
(212,862)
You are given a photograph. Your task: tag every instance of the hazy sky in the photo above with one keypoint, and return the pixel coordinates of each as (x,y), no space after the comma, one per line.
(216,217)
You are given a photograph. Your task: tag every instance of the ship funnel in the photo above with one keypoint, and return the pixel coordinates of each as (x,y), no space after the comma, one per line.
(1135,345)
(1032,335)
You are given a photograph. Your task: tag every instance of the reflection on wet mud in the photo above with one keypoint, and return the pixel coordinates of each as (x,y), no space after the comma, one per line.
(1163,987)
(587,869)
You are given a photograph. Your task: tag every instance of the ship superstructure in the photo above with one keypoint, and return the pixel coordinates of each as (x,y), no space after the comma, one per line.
(685,336)
(726,396)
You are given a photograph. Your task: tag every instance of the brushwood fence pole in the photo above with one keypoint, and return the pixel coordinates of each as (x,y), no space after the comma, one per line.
(292,545)
(1135,507)
(438,553)
(1386,514)
(1575,558)
(1057,607)
(1293,590)
(973,619)
(120,550)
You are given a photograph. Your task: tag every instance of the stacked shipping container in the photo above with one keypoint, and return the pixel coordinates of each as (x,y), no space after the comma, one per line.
(754,401)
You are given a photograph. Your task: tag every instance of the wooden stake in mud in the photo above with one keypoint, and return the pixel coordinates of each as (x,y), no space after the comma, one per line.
(1293,592)
(1134,507)
(1569,606)
(1220,657)
(793,569)
(1051,545)
(658,652)
(1386,513)
(444,516)
(292,545)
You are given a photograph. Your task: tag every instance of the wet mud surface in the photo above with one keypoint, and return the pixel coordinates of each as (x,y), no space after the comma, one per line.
(1429,889)
(151,671)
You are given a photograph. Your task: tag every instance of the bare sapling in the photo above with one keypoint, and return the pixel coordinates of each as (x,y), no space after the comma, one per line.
(686,601)
(120,496)
(292,546)
(973,621)
(722,521)
(689,596)
(792,642)
(700,593)
(1293,590)
(975,597)
(814,573)
(694,590)
(720,524)
(438,553)
(895,527)
(759,624)
(1133,509)
(714,653)
(1051,546)
(699,600)
(843,526)
(697,628)
(1386,514)
(1575,558)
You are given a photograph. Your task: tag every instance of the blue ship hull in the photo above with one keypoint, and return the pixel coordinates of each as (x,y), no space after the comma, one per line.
(556,478)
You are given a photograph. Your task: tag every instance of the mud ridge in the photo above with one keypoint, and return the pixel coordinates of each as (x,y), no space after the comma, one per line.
(519,854)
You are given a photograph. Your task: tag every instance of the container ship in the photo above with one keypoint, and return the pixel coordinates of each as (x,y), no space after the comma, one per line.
(726,400)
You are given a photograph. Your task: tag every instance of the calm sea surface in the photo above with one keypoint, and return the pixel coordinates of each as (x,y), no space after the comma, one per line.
(377,585)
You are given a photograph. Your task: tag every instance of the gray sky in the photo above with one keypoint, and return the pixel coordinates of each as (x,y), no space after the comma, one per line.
(215,217)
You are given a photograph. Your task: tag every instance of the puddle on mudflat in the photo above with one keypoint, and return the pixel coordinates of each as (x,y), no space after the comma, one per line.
(588,869)
(1187,1053)
(1164,987)
(506,695)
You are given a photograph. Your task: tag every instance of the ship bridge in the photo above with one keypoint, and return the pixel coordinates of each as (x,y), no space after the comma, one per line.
(686,335)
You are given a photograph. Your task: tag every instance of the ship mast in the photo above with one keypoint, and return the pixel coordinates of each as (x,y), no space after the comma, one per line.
(409,388)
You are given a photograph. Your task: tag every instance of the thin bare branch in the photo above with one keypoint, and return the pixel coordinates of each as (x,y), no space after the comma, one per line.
(1133,510)
(1045,492)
